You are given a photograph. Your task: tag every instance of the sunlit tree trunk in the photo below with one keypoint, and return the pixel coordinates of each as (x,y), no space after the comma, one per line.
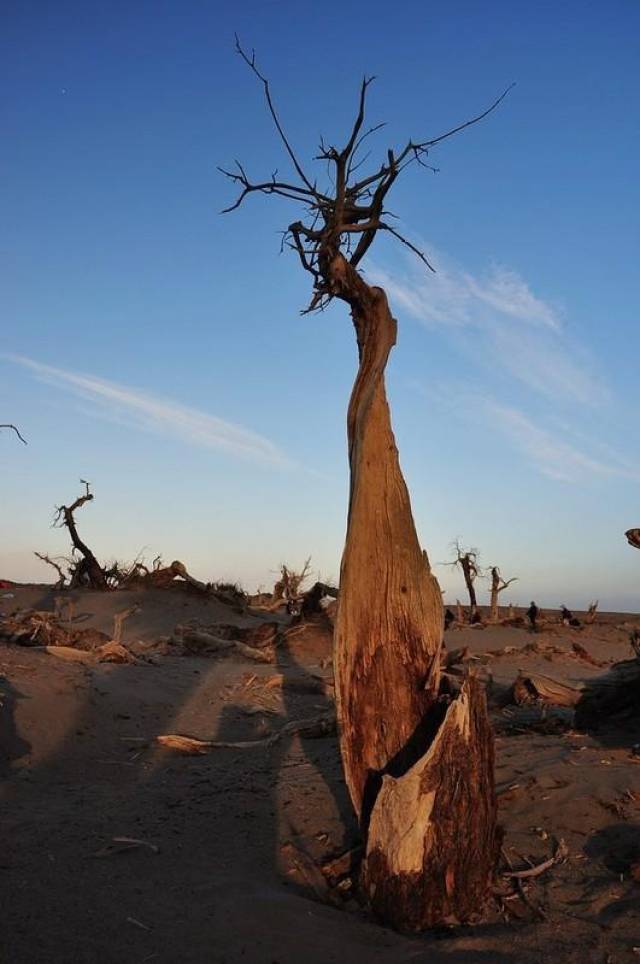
(418,763)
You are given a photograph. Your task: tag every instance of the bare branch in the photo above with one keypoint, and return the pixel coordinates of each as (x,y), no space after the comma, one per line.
(412,247)
(351,209)
(251,62)
(8,425)
(51,562)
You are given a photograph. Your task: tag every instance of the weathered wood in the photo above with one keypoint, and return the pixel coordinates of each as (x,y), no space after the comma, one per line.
(532,687)
(409,768)
(433,844)
(388,630)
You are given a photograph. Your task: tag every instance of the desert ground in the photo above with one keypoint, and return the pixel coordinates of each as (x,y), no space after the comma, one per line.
(117,848)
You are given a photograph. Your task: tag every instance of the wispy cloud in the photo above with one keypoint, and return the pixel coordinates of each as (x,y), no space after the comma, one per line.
(496,319)
(152,413)
(547,450)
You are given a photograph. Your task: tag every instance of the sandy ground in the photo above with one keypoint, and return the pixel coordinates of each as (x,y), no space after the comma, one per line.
(78,767)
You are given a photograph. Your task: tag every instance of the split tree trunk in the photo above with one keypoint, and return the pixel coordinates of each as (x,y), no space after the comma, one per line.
(418,764)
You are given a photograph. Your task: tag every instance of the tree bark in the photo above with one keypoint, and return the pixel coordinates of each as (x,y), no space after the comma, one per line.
(419,767)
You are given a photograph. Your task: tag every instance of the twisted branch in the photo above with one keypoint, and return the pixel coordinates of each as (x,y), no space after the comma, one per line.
(351,209)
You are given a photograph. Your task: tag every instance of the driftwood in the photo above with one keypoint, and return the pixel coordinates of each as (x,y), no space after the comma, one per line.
(561,854)
(318,726)
(533,688)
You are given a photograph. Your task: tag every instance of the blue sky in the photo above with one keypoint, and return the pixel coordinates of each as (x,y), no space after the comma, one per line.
(156,347)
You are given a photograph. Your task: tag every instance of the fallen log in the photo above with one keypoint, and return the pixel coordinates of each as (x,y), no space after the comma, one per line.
(315,727)
(534,688)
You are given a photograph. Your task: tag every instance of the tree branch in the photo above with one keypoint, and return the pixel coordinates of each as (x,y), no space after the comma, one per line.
(8,425)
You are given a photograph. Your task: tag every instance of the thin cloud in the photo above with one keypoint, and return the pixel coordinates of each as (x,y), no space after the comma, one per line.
(147,412)
(507,326)
(550,454)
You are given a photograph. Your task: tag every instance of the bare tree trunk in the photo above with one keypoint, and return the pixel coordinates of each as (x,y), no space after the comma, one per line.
(419,767)
(88,571)
(497,586)
(493,614)
(468,578)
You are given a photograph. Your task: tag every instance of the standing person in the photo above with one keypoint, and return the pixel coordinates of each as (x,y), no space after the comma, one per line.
(532,615)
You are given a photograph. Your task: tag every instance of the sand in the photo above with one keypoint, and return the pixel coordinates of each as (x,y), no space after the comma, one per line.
(224,878)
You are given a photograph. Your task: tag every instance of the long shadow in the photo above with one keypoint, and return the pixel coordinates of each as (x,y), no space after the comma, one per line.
(609,708)
(12,746)
(286,836)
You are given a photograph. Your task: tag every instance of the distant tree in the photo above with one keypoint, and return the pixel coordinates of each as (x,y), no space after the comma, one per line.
(428,818)
(88,571)
(497,585)
(467,561)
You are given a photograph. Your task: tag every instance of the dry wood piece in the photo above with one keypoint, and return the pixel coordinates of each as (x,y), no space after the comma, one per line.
(582,653)
(118,621)
(300,867)
(69,653)
(197,641)
(534,688)
(561,854)
(343,864)
(257,655)
(317,726)
(114,652)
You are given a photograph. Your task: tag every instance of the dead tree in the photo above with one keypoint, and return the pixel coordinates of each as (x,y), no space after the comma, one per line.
(13,427)
(88,571)
(497,585)
(418,761)
(467,561)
